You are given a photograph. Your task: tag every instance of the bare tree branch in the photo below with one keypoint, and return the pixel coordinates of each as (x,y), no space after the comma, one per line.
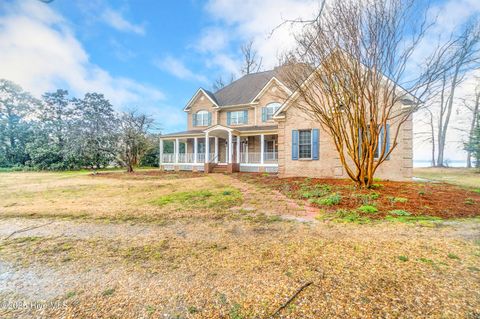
(358,53)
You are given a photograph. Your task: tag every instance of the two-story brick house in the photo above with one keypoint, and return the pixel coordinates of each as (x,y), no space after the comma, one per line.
(252,125)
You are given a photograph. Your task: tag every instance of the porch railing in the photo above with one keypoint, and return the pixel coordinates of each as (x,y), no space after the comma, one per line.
(250,158)
(270,156)
(186,158)
(168,158)
(255,157)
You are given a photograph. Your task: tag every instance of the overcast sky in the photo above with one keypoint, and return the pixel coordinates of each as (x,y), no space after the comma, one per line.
(153,55)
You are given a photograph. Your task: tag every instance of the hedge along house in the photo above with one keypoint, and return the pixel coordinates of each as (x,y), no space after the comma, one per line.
(253,125)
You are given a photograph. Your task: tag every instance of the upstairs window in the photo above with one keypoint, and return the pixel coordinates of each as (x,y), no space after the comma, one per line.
(269,110)
(202,118)
(237,117)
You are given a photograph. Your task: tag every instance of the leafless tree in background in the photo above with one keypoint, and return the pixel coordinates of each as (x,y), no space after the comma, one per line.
(472,105)
(251,62)
(218,84)
(133,138)
(428,136)
(358,53)
(465,56)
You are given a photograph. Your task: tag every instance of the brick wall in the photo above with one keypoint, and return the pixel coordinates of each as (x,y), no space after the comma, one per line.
(200,103)
(398,167)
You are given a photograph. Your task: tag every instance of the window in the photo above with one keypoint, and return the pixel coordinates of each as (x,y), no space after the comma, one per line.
(379,145)
(237,117)
(202,118)
(305,144)
(269,110)
(381,137)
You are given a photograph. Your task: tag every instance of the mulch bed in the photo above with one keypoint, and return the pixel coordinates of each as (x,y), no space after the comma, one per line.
(422,198)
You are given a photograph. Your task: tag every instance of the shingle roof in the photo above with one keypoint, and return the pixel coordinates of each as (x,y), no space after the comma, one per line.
(243,90)
(211,95)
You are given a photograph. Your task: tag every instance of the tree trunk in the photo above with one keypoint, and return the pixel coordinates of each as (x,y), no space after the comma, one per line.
(472,128)
(432,132)
(444,126)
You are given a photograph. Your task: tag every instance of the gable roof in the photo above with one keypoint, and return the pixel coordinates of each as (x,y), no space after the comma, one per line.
(208,94)
(308,79)
(245,89)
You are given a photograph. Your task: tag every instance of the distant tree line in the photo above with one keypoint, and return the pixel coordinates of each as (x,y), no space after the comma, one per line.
(58,132)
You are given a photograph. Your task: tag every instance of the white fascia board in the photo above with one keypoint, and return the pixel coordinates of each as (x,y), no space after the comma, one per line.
(200,90)
(273,79)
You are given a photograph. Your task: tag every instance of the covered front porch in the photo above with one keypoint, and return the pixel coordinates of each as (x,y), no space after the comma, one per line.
(209,150)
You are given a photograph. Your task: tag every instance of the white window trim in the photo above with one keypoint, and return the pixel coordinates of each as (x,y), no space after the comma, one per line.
(204,116)
(311,145)
(274,106)
(239,115)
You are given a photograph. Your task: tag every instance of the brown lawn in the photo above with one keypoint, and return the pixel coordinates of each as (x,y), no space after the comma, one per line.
(183,245)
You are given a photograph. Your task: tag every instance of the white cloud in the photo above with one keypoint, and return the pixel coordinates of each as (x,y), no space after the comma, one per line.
(178,69)
(212,39)
(243,20)
(39,51)
(228,64)
(117,21)
(246,20)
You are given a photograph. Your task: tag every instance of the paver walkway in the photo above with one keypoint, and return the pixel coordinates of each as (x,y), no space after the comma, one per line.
(270,202)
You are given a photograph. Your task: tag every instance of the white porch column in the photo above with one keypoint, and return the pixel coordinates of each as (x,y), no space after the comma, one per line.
(195,149)
(230,147)
(186,147)
(216,149)
(262,146)
(246,152)
(160,160)
(207,148)
(177,149)
(238,148)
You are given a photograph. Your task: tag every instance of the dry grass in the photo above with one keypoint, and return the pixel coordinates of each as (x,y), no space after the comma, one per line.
(233,262)
(468,177)
(107,196)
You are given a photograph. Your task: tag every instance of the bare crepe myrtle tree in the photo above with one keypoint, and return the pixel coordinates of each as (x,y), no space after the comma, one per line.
(361,88)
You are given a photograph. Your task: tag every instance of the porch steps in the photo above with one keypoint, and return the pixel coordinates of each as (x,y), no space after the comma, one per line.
(219,169)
